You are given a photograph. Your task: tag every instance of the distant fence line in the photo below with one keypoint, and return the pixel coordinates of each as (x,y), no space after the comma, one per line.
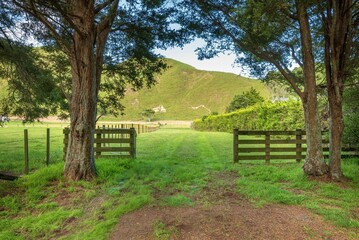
(263,149)
(140,128)
(116,140)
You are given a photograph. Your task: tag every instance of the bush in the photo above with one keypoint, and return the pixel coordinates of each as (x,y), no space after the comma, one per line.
(245,100)
(266,116)
(351,116)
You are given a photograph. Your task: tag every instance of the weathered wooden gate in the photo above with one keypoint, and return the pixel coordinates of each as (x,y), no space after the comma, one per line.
(110,142)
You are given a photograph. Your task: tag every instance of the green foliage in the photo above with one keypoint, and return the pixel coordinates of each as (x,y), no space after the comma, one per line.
(351,116)
(51,89)
(30,93)
(267,116)
(255,31)
(122,52)
(248,98)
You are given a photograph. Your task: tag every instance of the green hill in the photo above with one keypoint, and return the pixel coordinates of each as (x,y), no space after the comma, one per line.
(188,93)
(185,92)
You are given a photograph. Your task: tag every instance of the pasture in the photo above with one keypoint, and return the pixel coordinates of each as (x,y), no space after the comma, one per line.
(178,172)
(12,145)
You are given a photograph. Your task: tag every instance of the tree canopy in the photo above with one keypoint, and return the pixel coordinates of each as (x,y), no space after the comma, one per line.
(269,35)
(113,38)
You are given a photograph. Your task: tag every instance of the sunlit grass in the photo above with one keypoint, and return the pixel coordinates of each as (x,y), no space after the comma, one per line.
(12,145)
(172,167)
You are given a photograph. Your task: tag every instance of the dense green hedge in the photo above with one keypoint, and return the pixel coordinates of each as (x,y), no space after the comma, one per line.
(265,116)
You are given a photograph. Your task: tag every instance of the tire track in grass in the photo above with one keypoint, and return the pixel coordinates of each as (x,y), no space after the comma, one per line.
(160,144)
(222,143)
(155,162)
(195,158)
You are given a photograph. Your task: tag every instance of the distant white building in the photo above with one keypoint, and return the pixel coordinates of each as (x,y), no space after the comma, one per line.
(280,99)
(160,109)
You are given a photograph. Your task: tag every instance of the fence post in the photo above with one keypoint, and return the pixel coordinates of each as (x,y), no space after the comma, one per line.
(98,142)
(298,146)
(235,146)
(66,132)
(26,151)
(47,146)
(133,143)
(267,147)
(103,136)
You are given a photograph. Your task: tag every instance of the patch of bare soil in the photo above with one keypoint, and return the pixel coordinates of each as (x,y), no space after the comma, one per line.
(220,213)
(231,221)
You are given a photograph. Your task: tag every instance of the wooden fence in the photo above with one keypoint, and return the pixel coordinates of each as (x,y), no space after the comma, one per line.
(275,145)
(110,142)
(140,128)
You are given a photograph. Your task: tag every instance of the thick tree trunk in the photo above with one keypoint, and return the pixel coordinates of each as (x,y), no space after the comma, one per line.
(80,163)
(336,125)
(337,36)
(314,162)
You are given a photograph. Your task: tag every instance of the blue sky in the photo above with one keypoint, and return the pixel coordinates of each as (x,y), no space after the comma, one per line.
(222,63)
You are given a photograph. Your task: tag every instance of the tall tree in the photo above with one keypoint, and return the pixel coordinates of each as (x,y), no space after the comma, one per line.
(266,35)
(339,27)
(83,30)
(310,103)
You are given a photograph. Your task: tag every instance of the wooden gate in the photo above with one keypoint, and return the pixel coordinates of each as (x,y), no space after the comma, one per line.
(110,142)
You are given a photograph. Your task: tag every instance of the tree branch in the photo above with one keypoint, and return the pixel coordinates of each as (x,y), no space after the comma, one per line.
(65,15)
(32,9)
(102,31)
(99,7)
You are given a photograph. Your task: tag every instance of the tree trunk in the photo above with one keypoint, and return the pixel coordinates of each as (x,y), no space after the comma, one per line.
(80,163)
(337,46)
(314,162)
(336,126)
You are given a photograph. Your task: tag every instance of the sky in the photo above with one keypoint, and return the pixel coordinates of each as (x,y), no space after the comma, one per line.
(222,63)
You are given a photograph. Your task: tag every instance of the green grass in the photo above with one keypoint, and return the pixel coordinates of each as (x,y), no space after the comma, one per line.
(12,145)
(172,167)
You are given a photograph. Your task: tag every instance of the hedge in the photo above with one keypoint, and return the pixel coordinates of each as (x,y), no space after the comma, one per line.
(264,116)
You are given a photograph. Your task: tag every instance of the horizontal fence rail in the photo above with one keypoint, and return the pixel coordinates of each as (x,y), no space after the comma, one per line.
(276,145)
(140,128)
(110,142)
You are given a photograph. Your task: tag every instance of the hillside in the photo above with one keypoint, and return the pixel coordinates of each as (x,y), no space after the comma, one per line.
(183,88)
(185,92)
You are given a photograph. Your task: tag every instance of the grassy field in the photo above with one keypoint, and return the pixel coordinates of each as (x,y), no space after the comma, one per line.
(12,145)
(172,167)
